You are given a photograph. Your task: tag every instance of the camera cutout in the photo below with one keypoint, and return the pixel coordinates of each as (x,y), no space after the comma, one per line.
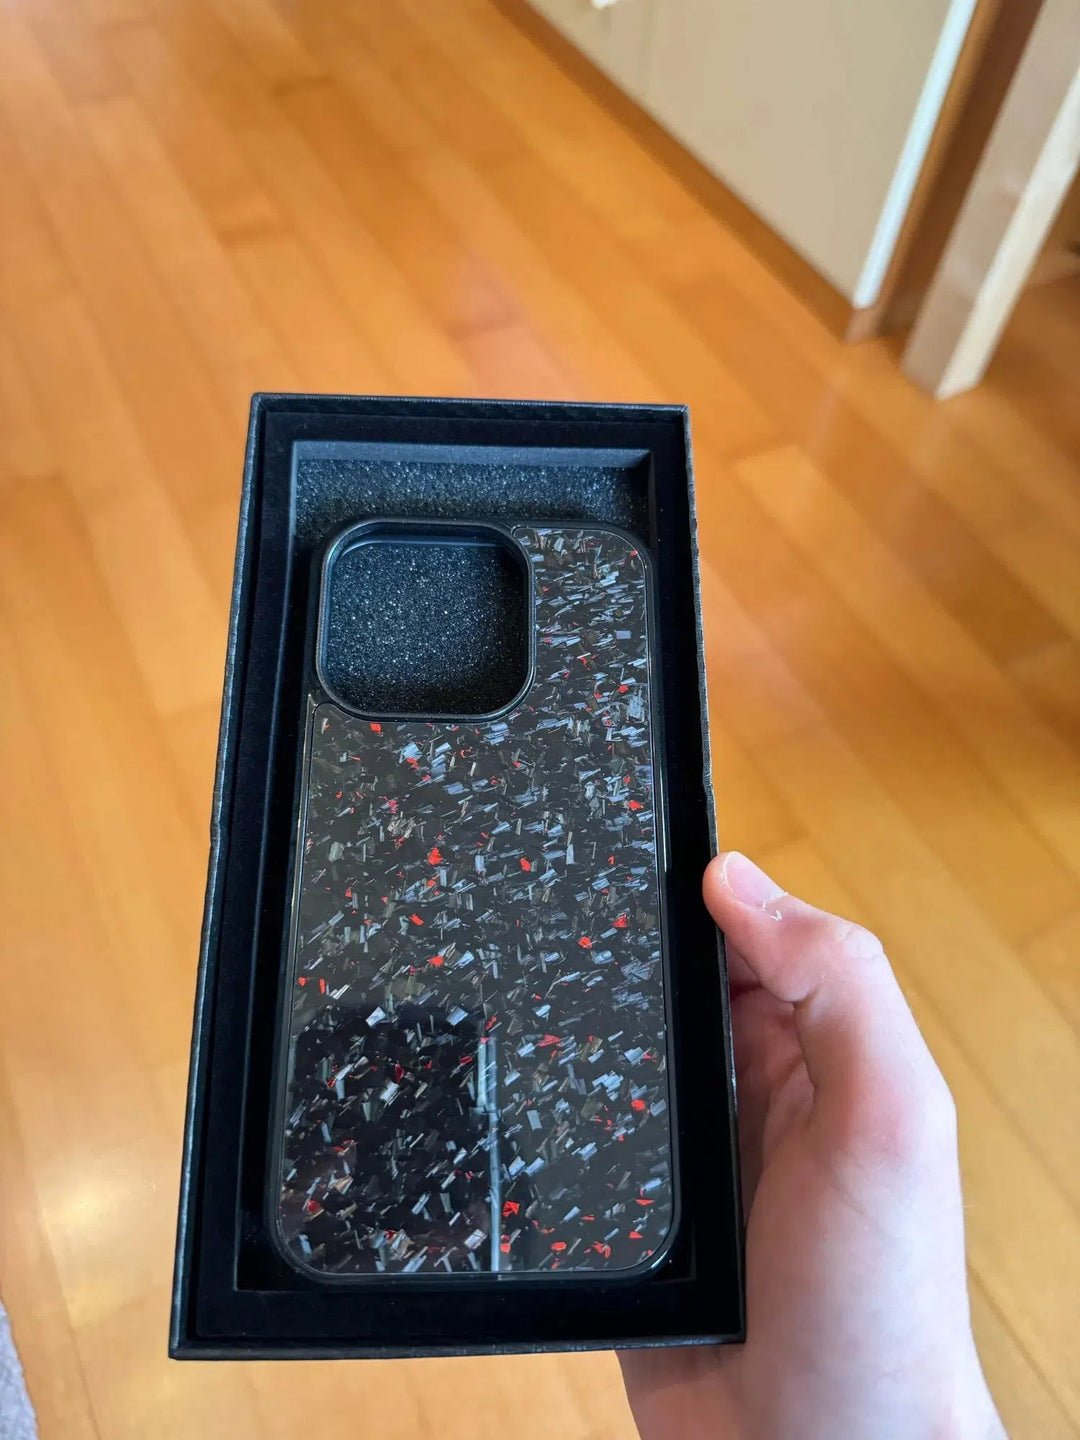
(425,619)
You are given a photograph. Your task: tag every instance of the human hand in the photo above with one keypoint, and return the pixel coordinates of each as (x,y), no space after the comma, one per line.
(857,1309)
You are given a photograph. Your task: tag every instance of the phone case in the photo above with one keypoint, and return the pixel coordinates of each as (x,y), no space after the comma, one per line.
(473,1062)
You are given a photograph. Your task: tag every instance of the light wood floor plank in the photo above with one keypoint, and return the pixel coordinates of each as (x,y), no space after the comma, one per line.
(275,49)
(512,360)
(884,481)
(418,355)
(926,767)
(576,330)
(1025,1398)
(460,288)
(223,318)
(106,756)
(1052,955)
(160,592)
(25,447)
(1034,767)
(175,404)
(936,500)
(33,1291)
(75,52)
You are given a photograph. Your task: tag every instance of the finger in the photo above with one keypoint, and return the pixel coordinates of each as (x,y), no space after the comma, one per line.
(673,1390)
(766,1053)
(740,975)
(869,1066)
(763,1028)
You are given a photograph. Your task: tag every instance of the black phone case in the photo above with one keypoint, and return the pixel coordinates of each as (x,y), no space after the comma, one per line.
(472,1061)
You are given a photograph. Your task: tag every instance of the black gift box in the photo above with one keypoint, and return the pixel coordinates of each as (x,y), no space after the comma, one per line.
(314,464)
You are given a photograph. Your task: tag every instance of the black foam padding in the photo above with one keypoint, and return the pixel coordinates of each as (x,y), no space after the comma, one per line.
(422,627)
(334,490)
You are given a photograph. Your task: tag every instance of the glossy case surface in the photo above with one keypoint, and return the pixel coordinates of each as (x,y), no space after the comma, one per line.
(473,1069)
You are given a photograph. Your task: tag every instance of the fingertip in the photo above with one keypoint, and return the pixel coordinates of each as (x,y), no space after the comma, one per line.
(740,975)
(719,899)
(711,880)
(731,876)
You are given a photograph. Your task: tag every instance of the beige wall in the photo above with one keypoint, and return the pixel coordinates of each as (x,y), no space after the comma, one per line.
(815,112)
(614,35)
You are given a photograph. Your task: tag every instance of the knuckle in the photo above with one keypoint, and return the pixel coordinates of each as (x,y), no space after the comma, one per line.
(939,1110)
(855,941)
(916,1123)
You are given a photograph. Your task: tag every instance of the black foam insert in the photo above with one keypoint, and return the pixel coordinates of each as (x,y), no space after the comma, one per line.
(418,625)
(342,482)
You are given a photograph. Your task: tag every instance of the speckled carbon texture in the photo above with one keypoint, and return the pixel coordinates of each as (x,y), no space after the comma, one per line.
(436,629)
(336,490)
(478,1070)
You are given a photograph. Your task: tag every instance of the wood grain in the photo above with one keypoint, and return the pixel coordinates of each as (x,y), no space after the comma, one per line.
(202,198)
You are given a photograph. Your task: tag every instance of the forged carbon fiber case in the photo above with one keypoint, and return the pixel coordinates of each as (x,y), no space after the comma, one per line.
(472,1070)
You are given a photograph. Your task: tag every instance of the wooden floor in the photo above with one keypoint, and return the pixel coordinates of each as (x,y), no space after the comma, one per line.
(201,198)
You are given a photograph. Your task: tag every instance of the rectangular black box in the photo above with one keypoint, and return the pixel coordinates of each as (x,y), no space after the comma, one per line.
(315,463)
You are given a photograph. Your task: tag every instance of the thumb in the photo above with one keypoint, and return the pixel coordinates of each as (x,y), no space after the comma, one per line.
(872,1073)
